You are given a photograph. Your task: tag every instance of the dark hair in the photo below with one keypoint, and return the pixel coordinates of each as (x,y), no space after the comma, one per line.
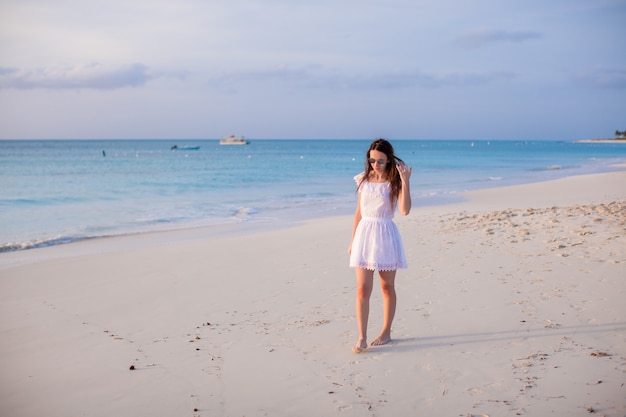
(393,176)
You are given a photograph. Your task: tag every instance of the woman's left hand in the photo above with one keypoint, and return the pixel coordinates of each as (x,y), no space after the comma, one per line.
(404,171)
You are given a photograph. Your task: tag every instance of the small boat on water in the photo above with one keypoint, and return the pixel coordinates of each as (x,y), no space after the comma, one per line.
(233,140)
(184,148)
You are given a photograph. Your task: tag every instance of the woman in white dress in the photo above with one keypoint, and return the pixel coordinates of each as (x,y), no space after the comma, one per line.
(376,244)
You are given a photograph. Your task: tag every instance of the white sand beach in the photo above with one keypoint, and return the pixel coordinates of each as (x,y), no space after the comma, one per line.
(513,304)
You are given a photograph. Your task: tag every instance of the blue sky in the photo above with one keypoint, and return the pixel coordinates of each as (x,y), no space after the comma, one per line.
(401,69)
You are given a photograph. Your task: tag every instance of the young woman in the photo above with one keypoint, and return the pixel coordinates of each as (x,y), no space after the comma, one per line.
(376,244)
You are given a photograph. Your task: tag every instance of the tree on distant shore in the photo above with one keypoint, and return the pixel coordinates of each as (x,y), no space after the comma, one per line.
(620,134)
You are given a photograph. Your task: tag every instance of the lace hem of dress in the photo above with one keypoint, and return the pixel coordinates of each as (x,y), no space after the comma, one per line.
(380,267)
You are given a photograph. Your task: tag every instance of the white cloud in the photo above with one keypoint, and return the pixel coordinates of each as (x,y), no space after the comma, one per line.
(91,76)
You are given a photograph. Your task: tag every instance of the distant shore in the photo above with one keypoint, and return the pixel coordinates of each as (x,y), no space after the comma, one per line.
(600,140)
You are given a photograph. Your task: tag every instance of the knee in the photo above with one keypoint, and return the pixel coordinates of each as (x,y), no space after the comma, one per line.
(388,289)
(363,293)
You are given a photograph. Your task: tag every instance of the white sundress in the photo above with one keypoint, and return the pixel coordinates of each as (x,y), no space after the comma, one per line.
(377,244)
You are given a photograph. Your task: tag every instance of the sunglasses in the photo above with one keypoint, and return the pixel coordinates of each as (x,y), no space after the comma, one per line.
(377,161)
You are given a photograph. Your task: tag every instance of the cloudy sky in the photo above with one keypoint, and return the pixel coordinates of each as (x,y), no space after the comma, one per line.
(422,69)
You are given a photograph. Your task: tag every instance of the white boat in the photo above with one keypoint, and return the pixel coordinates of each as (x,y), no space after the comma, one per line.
(233,140)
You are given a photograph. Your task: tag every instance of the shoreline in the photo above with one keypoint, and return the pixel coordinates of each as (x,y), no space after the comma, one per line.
(125,204)
(481,199)
(230,227)
(512,305)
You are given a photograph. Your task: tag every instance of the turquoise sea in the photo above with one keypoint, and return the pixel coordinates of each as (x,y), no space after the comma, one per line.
(58,191)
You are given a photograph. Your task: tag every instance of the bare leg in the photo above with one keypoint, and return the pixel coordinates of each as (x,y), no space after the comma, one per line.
(387,285)
(364,285)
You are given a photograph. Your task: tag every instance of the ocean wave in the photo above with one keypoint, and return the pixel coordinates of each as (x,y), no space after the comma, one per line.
(20,201)
(245,213)
(39,243)
(549,168)
(47,201)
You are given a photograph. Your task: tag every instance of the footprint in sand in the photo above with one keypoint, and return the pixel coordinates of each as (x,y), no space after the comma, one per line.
(343,408)
(475,390)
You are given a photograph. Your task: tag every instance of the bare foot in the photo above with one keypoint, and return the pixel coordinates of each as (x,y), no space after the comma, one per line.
(383,339)
(360,346)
